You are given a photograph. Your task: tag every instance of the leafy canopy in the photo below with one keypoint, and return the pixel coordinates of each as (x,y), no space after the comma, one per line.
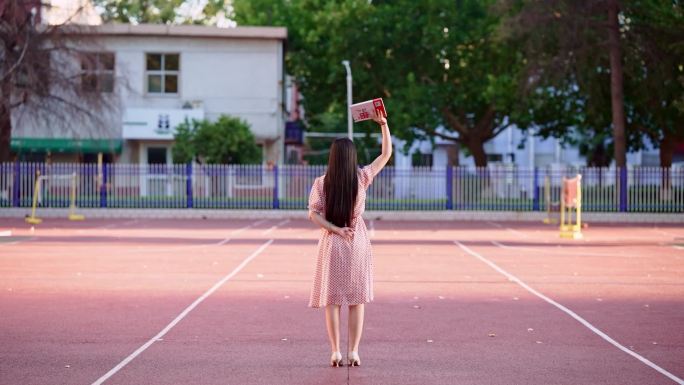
(228,140)
(436,63)
(210,12)
(566,42)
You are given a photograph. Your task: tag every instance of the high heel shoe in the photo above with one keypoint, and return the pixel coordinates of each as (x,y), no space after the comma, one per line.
(336,359)
(354,359)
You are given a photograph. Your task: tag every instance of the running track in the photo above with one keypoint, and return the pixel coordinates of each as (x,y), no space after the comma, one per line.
(224,302)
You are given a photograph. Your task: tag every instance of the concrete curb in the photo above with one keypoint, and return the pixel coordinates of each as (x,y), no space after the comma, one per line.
(520,216)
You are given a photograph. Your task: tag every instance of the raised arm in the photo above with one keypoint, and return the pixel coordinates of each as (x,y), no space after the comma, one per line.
(384,157)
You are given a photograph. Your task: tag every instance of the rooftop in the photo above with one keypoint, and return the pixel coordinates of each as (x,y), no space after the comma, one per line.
(279,33)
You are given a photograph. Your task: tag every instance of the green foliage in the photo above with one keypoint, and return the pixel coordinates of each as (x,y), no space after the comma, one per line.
(565,42)
(183,150)
(654,57)
(226,141)
(477,66)
(434,62)
(162,11)
(473,67)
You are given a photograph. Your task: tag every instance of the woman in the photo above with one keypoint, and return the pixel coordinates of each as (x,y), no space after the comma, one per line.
(344,268)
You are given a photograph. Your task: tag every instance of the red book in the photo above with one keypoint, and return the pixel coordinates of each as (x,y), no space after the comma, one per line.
(368,110)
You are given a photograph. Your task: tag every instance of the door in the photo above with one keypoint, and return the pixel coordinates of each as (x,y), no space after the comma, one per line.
(156,174)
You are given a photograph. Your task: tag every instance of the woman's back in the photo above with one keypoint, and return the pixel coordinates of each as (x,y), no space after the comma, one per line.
(317,199)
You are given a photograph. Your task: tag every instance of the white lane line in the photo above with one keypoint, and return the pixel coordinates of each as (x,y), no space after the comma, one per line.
(219,243)
(223,242)
(569,252)
(237,231)
(182,315)
(571,313)
(116,224)
(20,241)
(514,231)
(241,230)
(372,228)
(161,250)
(108,226)
(6,233)
(495,224)
(657,230)
(268,231)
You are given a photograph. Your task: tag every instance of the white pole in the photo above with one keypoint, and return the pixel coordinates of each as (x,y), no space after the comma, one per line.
(531,161)
(509,146)
(350,130)
(530,146)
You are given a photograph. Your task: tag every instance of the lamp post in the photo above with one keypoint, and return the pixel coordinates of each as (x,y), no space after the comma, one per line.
(350,130)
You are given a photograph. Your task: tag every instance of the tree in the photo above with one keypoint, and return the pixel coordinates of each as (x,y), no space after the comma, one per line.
(42,68)
(655,59)
(228,140)
(211,12)
(436,63)
(580,55)
(616,84)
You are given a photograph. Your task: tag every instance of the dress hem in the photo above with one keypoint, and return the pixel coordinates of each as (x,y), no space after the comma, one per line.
(340,304)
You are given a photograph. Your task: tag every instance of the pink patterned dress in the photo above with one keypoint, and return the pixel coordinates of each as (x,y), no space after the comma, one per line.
(344,268)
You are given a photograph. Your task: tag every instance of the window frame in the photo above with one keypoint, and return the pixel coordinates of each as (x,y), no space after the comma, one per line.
(98,71)
(162,73)
(419,159)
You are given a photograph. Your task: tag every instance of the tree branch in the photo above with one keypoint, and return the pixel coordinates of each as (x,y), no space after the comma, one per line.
(500,129)
(443,136)
(20,59)
(453,122)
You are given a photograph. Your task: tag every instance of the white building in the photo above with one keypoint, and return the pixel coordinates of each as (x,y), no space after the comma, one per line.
(163,74)
(512,146)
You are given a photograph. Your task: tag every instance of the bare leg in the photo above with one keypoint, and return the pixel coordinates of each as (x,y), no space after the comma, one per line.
(355,326)
(332,322)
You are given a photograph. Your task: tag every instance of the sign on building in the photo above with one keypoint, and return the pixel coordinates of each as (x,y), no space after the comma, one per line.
(155,123)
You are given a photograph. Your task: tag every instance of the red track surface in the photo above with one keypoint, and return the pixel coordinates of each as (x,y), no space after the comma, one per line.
(76,299)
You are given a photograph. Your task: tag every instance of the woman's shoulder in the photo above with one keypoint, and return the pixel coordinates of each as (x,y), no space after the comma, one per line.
(365,174)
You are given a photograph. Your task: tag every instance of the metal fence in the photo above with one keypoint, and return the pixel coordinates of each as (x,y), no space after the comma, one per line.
(497,187)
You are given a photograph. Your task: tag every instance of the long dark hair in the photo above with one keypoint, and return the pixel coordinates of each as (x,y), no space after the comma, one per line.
(341,183)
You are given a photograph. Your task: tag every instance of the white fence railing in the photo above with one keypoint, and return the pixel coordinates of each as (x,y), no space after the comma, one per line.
(498,187)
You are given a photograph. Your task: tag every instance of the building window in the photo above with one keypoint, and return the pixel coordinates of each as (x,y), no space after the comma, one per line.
(97,72)
(495,158)
(421,160)
(156,155)
(162,73)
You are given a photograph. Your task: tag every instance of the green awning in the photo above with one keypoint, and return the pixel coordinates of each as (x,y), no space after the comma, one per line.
(66,145)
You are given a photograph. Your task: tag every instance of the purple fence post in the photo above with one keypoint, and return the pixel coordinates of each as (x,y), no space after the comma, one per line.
(16,183)
(623,189)
(276,201)
(103,186)
(450,187)
(188,184)
(535,190)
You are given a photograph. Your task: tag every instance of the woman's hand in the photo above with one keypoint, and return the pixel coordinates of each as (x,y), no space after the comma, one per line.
(344,232)
(381,120)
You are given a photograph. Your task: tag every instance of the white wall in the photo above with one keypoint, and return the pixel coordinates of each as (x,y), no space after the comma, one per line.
(240,77)
(237,77)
